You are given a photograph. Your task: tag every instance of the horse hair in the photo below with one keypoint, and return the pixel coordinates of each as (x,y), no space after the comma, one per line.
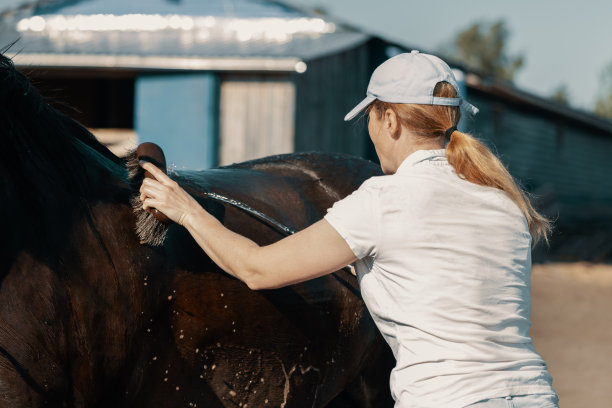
(52,167)
(149,229)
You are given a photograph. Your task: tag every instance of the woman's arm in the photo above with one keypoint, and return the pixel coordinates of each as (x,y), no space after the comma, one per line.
(310,253)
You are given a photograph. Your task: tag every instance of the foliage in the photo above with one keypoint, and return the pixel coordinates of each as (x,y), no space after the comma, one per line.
(483,47)
(561,95)
(603,105)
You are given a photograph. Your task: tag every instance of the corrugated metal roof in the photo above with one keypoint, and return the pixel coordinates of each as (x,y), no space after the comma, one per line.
(72,32)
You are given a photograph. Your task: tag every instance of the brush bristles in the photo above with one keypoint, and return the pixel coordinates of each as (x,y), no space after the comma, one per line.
(149,229)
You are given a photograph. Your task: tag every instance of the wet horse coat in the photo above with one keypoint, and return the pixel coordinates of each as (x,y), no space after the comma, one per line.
(90,317)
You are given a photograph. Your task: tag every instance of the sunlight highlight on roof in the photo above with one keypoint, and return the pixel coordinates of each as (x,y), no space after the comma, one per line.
(242,29)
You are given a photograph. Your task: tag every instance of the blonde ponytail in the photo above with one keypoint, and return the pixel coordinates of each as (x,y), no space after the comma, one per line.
(472,160)
(475,163)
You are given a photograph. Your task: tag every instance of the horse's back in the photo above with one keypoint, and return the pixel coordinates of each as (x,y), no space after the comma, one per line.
(297,346)
(294,189)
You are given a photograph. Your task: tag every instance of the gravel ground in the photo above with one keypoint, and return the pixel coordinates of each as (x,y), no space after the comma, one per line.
(572,330)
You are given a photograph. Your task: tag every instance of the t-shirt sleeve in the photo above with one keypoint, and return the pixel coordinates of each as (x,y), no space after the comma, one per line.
(356,218)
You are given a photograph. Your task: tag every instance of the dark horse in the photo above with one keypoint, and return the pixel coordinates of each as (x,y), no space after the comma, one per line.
(91,317)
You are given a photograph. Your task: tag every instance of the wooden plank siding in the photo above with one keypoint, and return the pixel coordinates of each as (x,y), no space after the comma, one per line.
(256,117)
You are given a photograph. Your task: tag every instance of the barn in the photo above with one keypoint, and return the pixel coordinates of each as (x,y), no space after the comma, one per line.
(214,82)
(217,82)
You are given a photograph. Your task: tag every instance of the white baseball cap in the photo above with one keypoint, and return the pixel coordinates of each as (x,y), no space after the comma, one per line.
(411,78)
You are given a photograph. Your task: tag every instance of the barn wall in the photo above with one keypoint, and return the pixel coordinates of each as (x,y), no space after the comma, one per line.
(547,154)
(179,112)
(325,93)
(256,117)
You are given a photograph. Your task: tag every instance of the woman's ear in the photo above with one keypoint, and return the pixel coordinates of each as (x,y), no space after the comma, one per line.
(392,124)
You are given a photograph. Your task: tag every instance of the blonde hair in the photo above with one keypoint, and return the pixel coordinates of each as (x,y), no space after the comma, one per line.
(472,160)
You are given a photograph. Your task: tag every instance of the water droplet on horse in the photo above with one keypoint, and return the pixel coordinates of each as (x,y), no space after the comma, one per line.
(221,294)
(197,350)
(181,336)
(232,393)
(225,307)
(213,367)
(262,380)
(266,401)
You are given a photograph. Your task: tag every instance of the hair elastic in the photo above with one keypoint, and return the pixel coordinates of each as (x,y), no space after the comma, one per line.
(450,131)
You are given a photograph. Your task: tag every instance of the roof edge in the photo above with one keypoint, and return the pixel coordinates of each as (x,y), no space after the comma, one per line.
(528,100)
(138,62)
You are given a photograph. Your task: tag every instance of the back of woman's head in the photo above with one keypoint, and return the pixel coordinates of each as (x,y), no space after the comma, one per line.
(472,160)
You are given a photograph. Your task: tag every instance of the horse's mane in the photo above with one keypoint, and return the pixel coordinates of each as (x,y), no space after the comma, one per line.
(50,165)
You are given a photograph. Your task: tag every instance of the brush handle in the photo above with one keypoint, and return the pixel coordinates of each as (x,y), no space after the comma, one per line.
(152,153)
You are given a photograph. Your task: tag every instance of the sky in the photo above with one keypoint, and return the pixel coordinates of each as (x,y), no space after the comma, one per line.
(563,42)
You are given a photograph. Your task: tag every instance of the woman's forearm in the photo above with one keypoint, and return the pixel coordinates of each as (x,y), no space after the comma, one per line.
(232,252)
(307,254)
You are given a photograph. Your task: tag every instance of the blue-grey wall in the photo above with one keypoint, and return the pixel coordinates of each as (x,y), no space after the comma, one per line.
(179,112)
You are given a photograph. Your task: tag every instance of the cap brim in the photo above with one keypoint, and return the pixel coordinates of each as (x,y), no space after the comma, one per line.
(469,108)
(360,107)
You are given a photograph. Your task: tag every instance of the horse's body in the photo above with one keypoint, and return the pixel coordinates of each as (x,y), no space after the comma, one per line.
(90,317)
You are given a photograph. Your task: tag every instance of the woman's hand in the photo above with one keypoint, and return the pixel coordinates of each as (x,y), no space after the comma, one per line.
(165,195)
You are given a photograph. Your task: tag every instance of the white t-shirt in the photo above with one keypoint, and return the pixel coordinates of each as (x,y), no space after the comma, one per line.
(444,270)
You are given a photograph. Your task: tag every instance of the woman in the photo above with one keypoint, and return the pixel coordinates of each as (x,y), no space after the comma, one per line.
(441,246)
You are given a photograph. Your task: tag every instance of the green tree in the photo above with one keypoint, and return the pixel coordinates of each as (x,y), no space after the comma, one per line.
(561,94)
(603,105)
(483,47)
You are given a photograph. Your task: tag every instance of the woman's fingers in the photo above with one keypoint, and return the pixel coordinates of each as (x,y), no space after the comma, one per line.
(149,203)
(151,188)
(165,195)
(151,184)
(157,173)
